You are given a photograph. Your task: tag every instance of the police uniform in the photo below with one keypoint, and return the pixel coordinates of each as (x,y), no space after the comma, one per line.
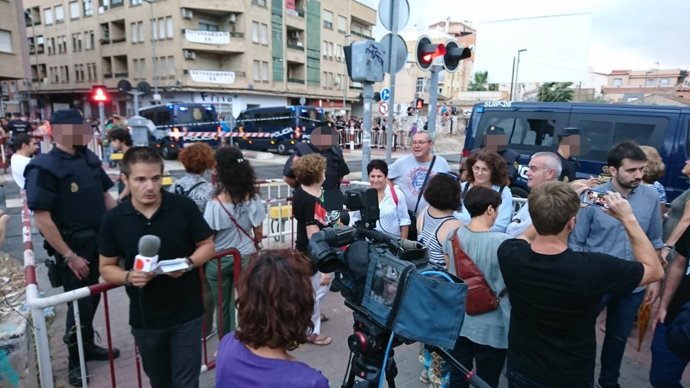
(336,168)
(71,188)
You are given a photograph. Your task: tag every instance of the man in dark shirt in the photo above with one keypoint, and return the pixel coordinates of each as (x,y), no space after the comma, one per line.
(68,191)
(667,366)
(570,143)
(165,309)
(555,292)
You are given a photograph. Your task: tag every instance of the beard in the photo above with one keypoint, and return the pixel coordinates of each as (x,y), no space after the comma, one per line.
(628,184)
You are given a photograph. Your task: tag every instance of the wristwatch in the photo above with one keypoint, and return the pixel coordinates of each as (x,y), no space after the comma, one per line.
(127,282)
(670,247)
(190,263)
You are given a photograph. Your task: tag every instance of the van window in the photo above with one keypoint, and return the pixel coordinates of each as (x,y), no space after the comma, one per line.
(528,131)
(162,117)
(605,131)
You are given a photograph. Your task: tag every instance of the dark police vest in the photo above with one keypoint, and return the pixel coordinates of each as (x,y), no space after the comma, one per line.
(334,159)
(70,187)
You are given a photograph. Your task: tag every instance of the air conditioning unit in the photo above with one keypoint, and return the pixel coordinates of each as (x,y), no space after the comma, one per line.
(232,18)
(187,13)
(189,54)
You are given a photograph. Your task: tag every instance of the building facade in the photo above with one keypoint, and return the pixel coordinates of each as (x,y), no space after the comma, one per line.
(630,85)
(14,65)
(232,53)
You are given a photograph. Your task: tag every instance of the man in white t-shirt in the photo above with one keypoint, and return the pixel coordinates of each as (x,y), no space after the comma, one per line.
(410,173)
(26,147)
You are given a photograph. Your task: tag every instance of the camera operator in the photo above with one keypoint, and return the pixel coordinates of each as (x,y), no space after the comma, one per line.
(555,291)
(275,303)
(310,212)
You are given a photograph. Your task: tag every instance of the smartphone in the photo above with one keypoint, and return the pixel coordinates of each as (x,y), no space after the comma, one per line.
(591,197)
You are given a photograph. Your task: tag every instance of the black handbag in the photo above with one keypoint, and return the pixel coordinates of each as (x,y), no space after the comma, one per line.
(412,234)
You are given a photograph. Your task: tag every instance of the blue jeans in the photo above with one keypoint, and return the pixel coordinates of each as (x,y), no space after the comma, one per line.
(621,311)
(171,356)
(667,368)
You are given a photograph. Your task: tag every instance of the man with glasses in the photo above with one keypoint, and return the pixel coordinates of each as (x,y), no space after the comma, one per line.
(412,172)
(543,167)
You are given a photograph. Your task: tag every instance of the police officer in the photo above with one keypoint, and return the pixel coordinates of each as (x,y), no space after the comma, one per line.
(16,126)
(570,143)
(497,140)
(67,189)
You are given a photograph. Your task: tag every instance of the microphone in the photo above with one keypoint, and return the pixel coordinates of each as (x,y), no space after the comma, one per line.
(147,259)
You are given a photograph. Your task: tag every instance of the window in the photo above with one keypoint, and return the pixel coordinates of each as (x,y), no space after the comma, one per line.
(74,10)
(139,71)
(330,50)
(324,49)
(617,82)
(205,25)
(264,71)
(663,82)
(89,40)
(169,27)
(649,82)
(526,131)
(5,41)
(342,24)
(59,14)
(135,2)
(133,31)
(76,42)
(338,52)
(161,28)
(260,3)
(91,71)
(338,81)
(48,16)
(263,34)
(116,3)
(257,71)
(328,19)
(255,32)
(170,70)
(154,30)
(88,7)
(51,46)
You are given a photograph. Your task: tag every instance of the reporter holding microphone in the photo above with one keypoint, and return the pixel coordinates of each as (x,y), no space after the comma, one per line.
(165,309)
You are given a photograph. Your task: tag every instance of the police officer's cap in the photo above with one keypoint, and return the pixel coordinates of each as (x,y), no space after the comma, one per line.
(495,130)
(67,116)
(570,131)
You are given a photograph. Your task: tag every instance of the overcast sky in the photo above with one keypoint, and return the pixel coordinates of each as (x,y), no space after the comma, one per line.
(625,34)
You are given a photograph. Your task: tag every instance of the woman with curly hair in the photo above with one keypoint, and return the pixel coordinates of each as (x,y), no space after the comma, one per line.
(197,160)
(236,215)
(275,304)
(487,168)
(311,215)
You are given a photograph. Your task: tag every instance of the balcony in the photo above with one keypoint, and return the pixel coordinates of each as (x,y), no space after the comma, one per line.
(213,42)
(295,18)
(295,56)
(363,13)
(222,6)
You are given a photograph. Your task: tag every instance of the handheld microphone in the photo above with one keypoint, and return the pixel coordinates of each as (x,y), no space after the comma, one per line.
(147,259)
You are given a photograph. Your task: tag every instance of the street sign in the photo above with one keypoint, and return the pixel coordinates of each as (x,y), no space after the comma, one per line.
(383,108)
(385,94)
(302,100)
(394,44)
(386,16)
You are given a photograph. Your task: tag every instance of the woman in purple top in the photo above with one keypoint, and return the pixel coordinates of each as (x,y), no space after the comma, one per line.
(275,303)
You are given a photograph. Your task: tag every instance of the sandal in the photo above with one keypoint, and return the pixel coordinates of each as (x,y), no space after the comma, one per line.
(316,339)
(324,317)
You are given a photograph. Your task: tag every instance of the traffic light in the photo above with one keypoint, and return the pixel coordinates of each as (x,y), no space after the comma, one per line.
(454,54)
(377,96)
(427,51)
(99,93)
(419,104)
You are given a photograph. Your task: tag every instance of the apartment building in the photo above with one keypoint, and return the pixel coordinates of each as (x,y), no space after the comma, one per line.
(232,53)
(13,56)
(631,85)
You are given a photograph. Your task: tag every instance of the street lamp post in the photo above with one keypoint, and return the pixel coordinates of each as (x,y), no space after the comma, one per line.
(517,71)
(345,82)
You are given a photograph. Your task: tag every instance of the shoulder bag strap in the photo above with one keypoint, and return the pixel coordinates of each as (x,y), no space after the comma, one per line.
(186,193)
(426,178)
(234,221)
(394,194)
(464,266)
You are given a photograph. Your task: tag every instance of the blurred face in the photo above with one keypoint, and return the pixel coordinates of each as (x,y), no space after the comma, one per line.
(421,146)
(377,179)
(72,135)
(144,183)
(629,174)
(496,142)
(482,173)
(323,141)
(538,173)
(574,143)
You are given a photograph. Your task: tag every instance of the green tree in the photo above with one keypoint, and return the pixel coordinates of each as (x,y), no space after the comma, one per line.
(480,82)
(556,92)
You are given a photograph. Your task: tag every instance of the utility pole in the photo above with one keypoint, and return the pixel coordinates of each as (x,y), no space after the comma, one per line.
(154,58)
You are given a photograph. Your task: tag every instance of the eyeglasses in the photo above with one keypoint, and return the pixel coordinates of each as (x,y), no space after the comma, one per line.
(481,170)
(420,142)
(449,175)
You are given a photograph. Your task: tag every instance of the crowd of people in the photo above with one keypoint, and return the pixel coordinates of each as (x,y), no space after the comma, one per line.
(553,266)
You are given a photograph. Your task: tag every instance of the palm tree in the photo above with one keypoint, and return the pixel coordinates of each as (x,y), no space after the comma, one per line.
(556,91)
(480,82)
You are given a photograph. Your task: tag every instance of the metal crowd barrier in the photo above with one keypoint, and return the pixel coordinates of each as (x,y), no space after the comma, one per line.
(40,330)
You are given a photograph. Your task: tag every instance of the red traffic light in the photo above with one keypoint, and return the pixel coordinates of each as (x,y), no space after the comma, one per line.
(99,93)
(427,51)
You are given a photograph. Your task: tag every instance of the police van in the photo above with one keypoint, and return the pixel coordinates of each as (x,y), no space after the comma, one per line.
(535,126)
(178,124)
(276,128)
